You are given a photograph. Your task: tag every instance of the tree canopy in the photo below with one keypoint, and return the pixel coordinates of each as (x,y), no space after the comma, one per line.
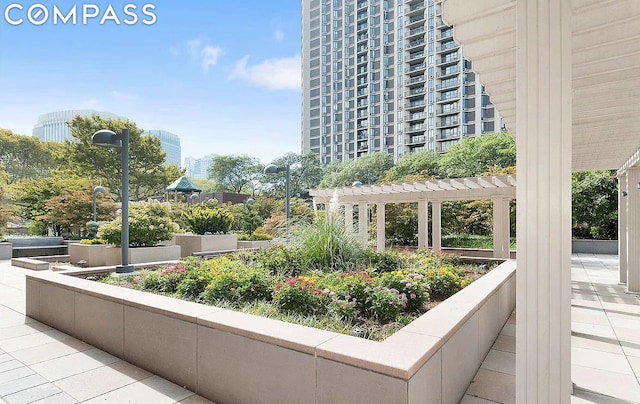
(368,169)
(147,174)
(476,155)
(235,173)
(25,157)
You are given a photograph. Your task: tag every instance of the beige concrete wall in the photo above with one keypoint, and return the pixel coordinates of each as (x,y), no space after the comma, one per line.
(94,255)
(5,251)
(140,255)
(191,243)
(234,357)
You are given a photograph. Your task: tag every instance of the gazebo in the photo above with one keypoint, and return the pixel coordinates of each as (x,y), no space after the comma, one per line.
(184,186)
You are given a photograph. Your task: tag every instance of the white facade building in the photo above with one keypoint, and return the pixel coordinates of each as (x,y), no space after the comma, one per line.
(198,168)
(52,127)
(170,144)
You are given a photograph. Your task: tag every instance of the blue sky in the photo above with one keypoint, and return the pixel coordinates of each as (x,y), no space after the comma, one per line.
(223,75)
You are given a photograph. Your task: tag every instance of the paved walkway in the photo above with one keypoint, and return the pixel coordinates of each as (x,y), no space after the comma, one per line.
(605,342)
(41,365)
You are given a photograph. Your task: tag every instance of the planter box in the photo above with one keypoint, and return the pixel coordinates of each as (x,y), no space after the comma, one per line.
(5,251)
(142,255)
(190,243)
(232,357)
(255,244)
(594,246)
(94,254)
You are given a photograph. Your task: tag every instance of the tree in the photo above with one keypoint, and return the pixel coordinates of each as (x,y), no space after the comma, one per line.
(305,173)
(422,163)
(368,169)
(25,157)
(474,156)
(67,214)
(595,204)
(147,175)
(234,173)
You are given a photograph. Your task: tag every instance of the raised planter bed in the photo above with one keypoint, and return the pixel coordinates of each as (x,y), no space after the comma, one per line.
(233,357)
(140,255)
(242,244)
(190,243)
(594,246)
(94,255)
(5,251)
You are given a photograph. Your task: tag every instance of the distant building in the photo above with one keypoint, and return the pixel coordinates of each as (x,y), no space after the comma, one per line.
(52,127)
(198,168)
(170,144)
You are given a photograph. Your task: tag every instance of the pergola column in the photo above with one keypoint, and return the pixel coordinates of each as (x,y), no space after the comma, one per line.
(380,236)
(423,225)
(623,189)
(348,217)
(363,219)
(633,230)
(501,227)
(543,142)
(436,225)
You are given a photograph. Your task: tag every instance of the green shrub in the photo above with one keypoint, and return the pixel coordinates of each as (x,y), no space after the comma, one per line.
(204,219)
(255,237)
(170,277)
(280,260)
(297,295)
(91,241)
(328,246)
(444,280)
(149,224)
(349,287)
(233,281)
(194,283)
(384,261)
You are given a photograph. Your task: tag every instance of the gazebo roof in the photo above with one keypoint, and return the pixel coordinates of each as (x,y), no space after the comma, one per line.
(456,189)
(183,184)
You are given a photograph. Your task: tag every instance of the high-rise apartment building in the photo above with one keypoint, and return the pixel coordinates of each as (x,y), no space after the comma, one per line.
(386,75)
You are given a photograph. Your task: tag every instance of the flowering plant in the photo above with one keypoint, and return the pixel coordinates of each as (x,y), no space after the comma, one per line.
(299,295)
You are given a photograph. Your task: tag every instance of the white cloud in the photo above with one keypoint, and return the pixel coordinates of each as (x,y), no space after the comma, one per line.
(206,55)
(274,74)
(278,35)
(209,56)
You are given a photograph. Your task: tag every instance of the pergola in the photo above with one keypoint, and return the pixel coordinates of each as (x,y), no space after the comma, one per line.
(565,76)
(500,190)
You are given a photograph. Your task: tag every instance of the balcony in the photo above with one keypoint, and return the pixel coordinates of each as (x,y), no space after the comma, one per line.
(362,4)
(414,80)
(420,116)
(449,59)
(415,21)
(415,8)
(416,31)
(452,45)
(448,111)
(448,72)
(415,68)
(417,128)
(445,35)
(448,98)
(449,84)
(447,123)
(417,140)
(448,136)
(415,104)
(417,91)
(413,57)
(414,44)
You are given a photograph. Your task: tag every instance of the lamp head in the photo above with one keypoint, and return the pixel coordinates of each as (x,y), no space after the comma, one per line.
(356,184)
(250,201)
(272,169)
(106,138)
(99,189)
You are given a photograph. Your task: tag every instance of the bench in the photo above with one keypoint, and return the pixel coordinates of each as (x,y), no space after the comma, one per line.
(29,263)
(37,246)
(217,253)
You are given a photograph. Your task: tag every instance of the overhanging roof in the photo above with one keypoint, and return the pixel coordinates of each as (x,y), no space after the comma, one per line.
(456,189)
(606,71)
(183,184)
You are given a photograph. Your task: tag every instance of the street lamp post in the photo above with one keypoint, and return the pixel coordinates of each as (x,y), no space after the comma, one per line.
(96,190)
(107,138)
(274,169)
